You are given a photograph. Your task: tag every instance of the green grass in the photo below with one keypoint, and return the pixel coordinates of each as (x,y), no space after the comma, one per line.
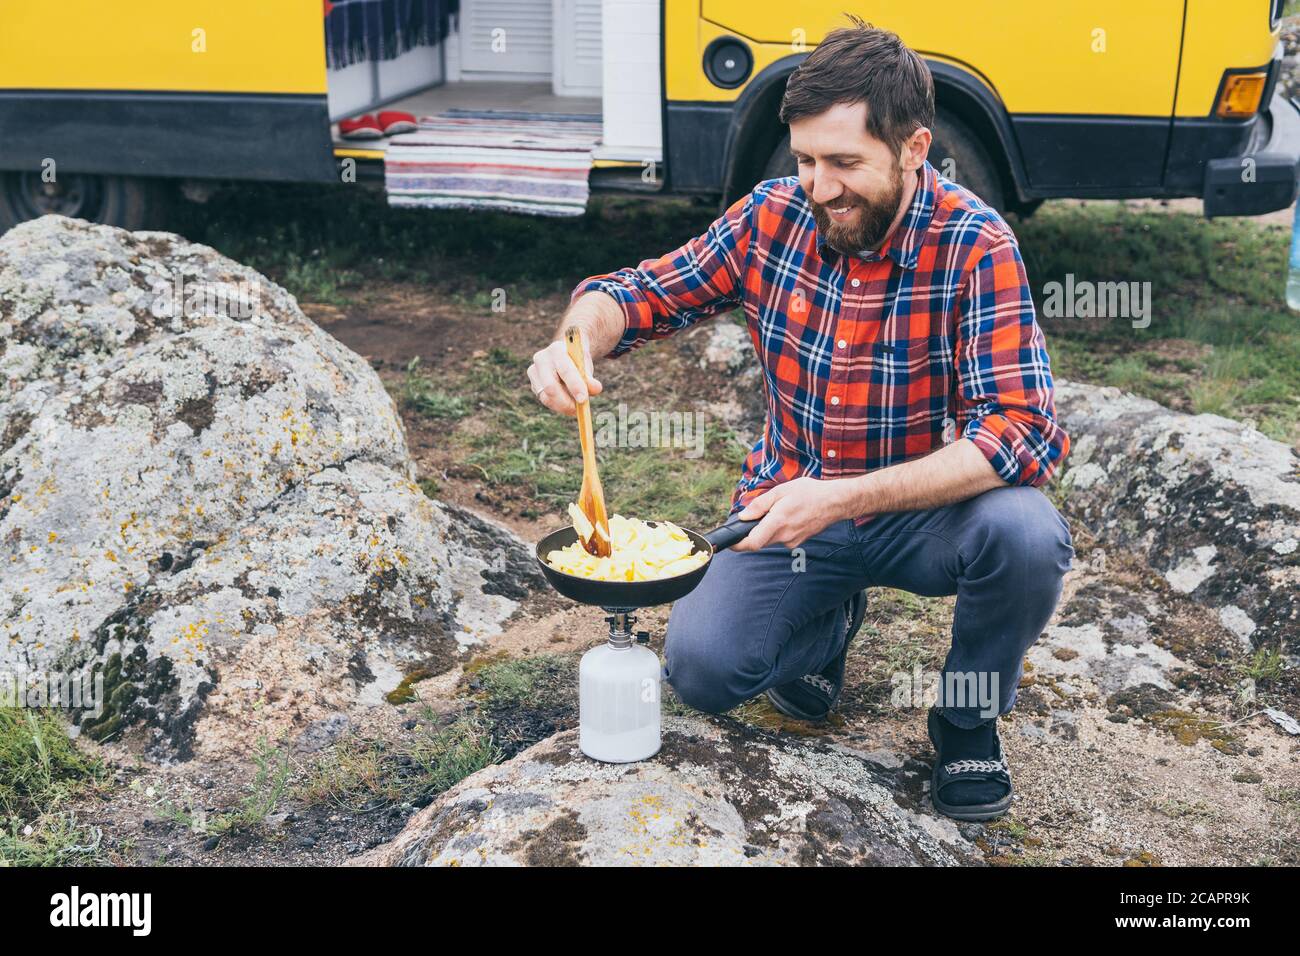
(324,241)
(445,758)
(268,788)
(1179,809)
(519,681)
(313,280)
(524,700)
(1217,294)
(264,795)
(359,774)
(41,769)
(421,395)
(1265,666)
(534,454)
(350,775)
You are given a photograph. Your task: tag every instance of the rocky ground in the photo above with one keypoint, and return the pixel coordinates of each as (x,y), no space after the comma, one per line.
(1150,728)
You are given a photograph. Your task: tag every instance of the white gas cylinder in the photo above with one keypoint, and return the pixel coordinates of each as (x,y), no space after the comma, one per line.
(618,702)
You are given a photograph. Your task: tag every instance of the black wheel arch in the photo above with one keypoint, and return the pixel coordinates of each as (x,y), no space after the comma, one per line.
(753,131)
(962,94)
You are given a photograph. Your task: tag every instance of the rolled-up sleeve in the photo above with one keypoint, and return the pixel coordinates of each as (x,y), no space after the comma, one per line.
(699,279)
(1005,401)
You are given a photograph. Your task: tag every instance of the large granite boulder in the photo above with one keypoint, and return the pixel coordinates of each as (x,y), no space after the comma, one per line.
(207,502)
(1210,504)
(718,793)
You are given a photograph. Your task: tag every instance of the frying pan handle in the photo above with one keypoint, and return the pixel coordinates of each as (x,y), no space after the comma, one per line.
(731,532)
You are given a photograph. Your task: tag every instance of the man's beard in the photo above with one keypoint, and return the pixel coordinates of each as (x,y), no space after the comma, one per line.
(872,222)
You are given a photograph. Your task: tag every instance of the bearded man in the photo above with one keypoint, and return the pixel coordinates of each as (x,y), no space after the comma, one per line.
(910,414)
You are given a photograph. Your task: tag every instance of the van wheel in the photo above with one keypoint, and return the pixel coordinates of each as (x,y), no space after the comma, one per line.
(781,163)
(959,155)
(126,201)
(955,152)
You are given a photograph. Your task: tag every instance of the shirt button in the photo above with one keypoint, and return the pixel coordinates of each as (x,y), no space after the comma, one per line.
(831,453)
(842,343)
(856,283)
(835,399)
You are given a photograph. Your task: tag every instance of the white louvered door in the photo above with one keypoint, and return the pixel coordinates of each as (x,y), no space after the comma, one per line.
(578,65)
(506,36)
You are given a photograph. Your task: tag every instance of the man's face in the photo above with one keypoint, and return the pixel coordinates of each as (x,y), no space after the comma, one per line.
(855,181)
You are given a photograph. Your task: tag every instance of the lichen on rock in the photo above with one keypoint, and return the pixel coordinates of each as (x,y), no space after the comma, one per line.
(1210,504)
(718,793)
(208,501)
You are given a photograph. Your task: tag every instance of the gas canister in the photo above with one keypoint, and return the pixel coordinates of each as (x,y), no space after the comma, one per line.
(618,696)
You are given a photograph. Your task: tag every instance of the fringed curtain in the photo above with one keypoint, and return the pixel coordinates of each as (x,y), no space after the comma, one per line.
(361,30)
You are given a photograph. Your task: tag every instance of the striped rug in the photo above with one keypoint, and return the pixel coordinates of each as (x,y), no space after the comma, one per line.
(534,163)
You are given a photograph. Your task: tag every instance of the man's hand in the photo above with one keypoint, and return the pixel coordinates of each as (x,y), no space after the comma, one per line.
(556,381)
(554,377)
(794,511)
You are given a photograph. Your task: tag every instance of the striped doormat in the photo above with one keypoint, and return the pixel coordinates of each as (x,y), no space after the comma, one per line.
(534,163)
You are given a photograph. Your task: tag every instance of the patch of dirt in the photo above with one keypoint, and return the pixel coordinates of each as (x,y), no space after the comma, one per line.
(153,815)
(391,324)
(1178,365)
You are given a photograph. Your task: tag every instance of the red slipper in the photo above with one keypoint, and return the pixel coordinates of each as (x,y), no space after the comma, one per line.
(361,127)
(395,121)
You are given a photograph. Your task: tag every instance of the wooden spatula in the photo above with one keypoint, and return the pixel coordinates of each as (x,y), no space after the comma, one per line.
(591,499)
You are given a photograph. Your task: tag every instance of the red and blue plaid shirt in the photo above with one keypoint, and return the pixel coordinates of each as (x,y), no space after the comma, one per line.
(868,360)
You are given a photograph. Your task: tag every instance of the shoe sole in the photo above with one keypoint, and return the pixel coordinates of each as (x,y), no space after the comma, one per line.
(973,812)
(789,709)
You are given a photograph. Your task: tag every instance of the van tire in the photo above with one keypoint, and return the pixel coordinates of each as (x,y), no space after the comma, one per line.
(953,140)
(130,202)
(970,164)
(781,163)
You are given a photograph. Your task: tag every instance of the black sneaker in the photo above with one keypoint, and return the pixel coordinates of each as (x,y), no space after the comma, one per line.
(812,696)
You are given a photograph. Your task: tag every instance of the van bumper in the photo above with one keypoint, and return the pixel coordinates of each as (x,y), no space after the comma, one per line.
(1235,187)
(269,136)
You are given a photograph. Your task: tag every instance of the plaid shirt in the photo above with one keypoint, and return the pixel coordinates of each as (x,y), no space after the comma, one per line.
(868,360)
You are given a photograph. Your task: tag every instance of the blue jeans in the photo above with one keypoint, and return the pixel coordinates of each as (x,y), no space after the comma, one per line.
(759,619)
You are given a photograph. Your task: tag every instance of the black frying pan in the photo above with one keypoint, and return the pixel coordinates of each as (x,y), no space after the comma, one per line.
(637,593)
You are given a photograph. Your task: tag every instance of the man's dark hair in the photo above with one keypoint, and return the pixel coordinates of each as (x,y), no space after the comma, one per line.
(859,64)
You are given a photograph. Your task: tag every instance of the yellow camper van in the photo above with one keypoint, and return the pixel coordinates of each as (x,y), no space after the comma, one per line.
(107,110)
